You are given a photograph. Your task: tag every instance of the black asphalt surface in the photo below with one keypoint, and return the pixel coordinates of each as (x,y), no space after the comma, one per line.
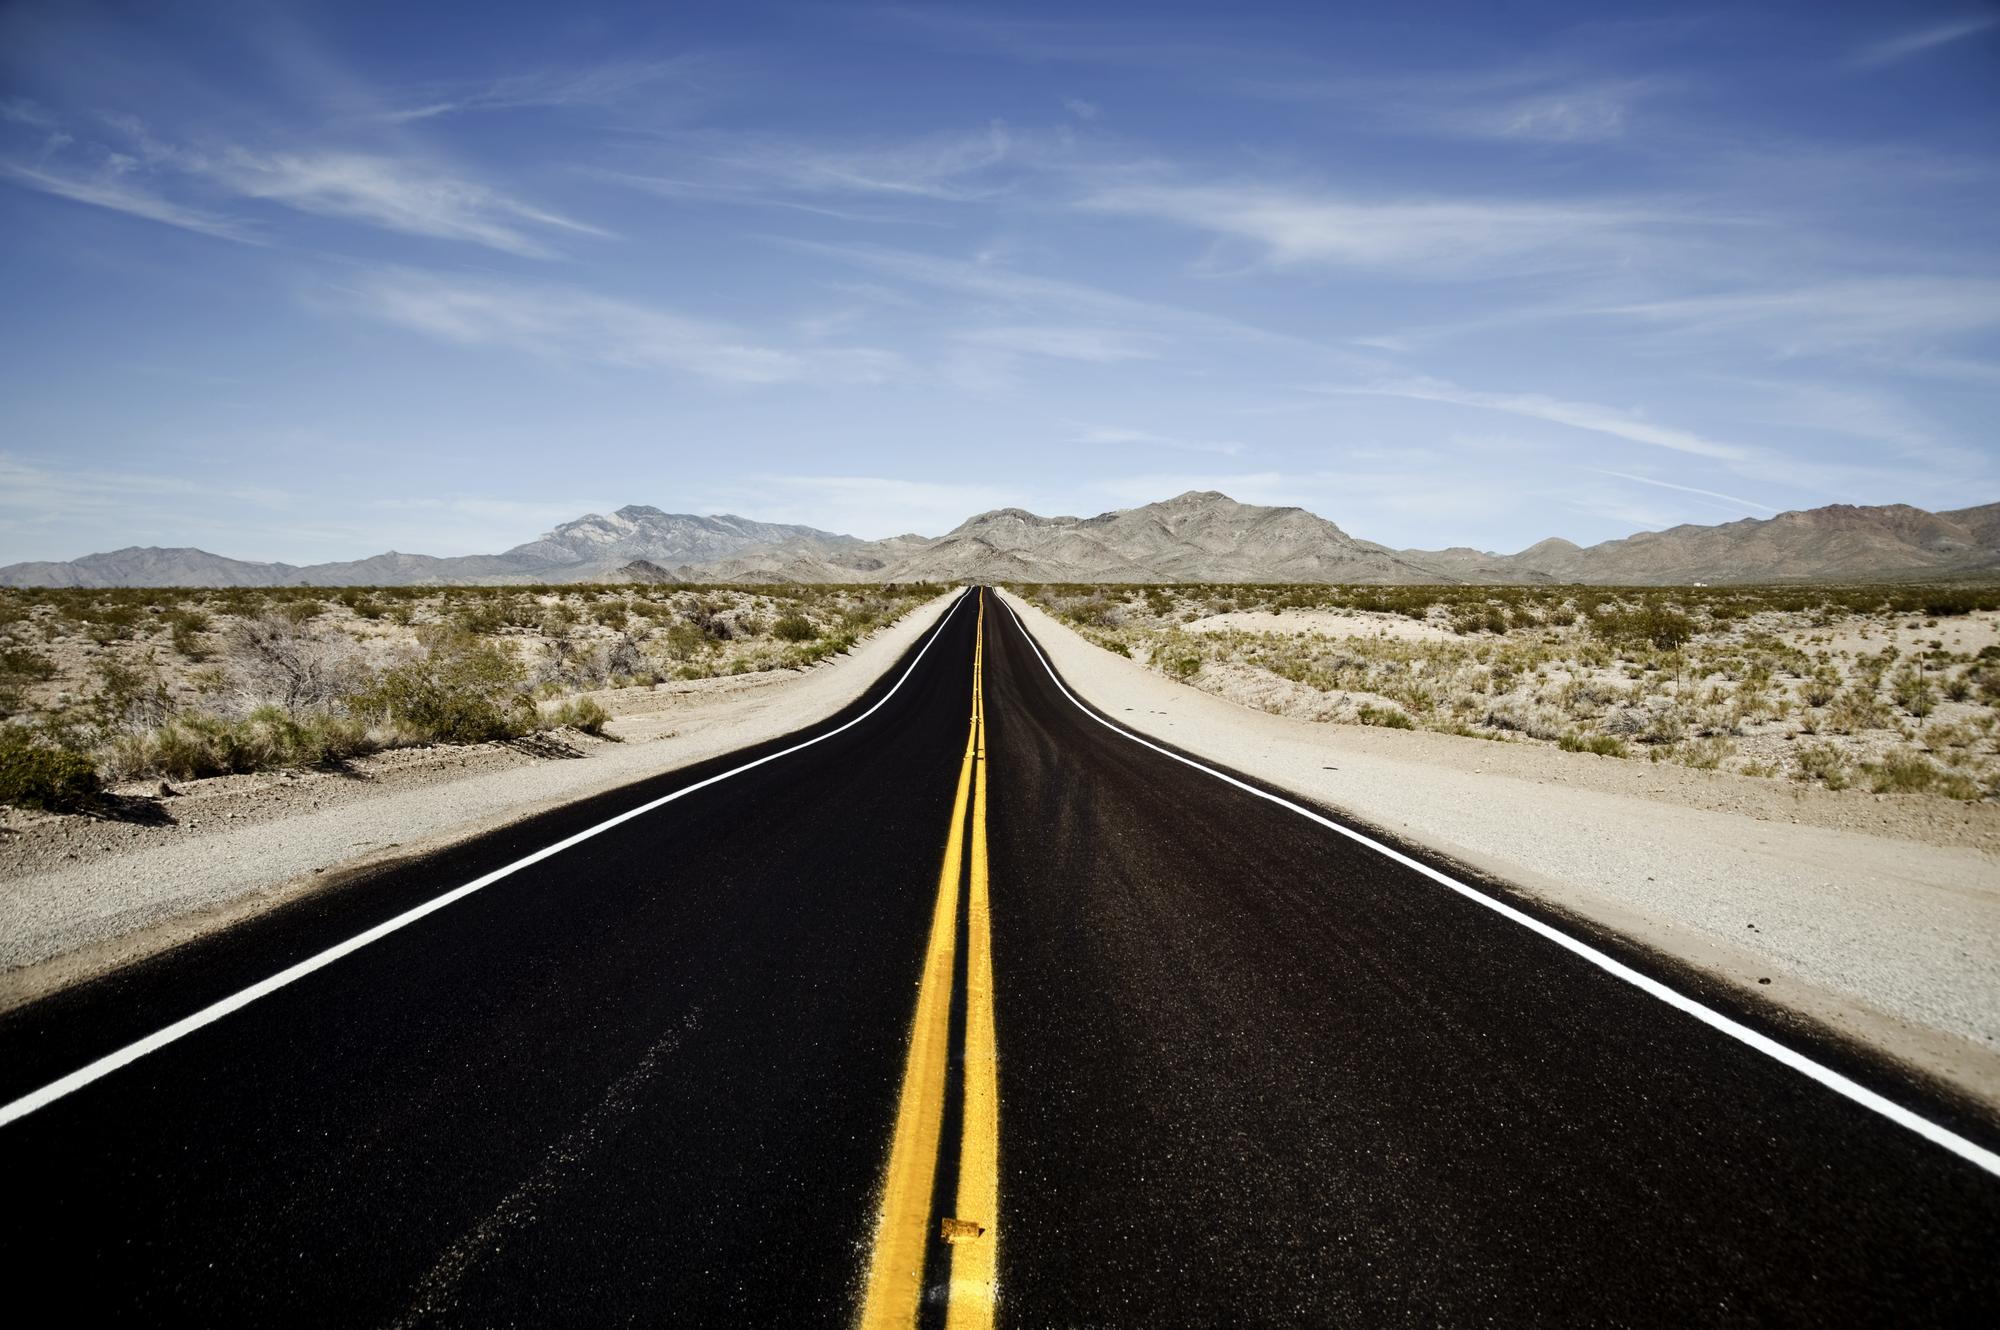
(1250,1073)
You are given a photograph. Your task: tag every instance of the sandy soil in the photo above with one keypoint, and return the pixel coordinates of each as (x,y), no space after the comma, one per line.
(80,896)
(1878,915)
(1324,623)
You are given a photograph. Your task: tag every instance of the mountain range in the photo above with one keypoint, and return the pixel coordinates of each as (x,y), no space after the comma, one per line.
(1200,536)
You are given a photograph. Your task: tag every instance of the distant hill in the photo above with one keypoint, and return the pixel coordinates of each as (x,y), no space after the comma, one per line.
(1201,536)
(593,547)
(1838,542)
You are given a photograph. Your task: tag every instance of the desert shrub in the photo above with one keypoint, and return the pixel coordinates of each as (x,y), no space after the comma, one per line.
(128,697)
(194,745)
(1604,745)
(1386,717)
(483,618)
(1906,771)
(1177,657)
(1821,688)
(685,640)
(578,713)
(39,775)
(184,628)
(1855,709)
(291,663)
(1661,627)
(25,665)
(1705,754)
(1913,692)
(458,688)
(794,627)
(1822,762)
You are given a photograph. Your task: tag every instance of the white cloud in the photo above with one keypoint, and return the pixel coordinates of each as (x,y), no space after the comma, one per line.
(1425,238)
(1081,109)
(957,167)
(566,322)
(1893,49)
(600,85)
(115,192)
(1584,114)
(1577,415)
(136,172)
(397,195)
(1835,316)
(1687,489)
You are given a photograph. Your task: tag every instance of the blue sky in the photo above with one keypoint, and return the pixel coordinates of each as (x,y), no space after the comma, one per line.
(310,282)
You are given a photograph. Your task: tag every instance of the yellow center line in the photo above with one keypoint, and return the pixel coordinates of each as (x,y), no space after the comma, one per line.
(975,1257)
(904,1230)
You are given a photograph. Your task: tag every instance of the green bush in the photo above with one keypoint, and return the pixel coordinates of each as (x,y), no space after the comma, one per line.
(1387,718)
(578,713)
(1822,762)
(35,775)
(1907,771)
(21,664)
(194,745)
(1604,745)
(460,688)
(794,628)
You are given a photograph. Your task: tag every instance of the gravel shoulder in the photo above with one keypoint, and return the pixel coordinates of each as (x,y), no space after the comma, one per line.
(81,896)
(1876,915)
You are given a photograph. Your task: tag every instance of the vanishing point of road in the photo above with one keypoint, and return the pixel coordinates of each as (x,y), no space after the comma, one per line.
(962,1007)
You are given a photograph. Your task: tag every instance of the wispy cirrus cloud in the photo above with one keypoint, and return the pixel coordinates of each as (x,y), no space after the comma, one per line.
(117,192)
(132,170)
(395,195)
(1444,237)
(556,321)
(1893,50)
(1833,316)
(1751,504)
(963,167)
(603,85)
(1577,415)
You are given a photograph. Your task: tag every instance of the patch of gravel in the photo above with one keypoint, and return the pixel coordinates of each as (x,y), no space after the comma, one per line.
(82,895)
(1877,914)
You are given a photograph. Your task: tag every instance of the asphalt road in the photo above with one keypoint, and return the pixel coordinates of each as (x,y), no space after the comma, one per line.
(1248,1071)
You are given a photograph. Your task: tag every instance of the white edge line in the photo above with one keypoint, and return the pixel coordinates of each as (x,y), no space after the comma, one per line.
(208,1015)
(1841,1085)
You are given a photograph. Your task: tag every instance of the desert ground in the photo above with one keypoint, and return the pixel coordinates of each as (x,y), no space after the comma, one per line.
(1885,690)
(128,688)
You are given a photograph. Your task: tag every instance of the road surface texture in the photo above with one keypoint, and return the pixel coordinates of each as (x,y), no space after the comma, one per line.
(970,1009)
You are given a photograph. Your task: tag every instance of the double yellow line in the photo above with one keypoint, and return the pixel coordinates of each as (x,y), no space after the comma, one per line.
(904,1233)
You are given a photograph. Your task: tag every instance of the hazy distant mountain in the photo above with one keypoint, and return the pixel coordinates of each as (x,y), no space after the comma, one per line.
(150,566)
(1199,536)
(592,547)
(1838,542)
(604,544)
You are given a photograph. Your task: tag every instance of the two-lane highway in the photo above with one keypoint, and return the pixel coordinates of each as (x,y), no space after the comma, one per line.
(959,1004)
